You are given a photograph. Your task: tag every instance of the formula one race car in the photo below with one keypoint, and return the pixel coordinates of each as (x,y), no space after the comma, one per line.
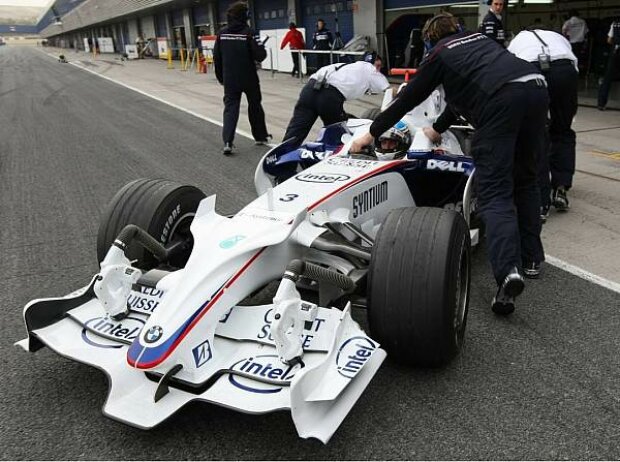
(172,316)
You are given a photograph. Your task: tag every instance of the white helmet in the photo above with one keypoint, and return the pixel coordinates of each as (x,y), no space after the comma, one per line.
(394,143)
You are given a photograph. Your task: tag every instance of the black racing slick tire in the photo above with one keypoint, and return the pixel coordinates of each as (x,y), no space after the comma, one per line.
(418,286)
(371,113)
(162,208)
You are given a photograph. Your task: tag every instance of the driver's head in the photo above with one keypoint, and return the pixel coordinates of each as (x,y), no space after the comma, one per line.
(394,143)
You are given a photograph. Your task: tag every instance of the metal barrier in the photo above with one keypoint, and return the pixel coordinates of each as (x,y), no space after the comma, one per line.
(403,71)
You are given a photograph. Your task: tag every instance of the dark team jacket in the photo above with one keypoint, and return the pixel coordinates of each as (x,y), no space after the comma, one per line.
(471,68)
(493,28)
(322,39)
(235,54)
(615,27)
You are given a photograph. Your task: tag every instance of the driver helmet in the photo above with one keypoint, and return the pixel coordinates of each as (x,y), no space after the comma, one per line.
(394,143)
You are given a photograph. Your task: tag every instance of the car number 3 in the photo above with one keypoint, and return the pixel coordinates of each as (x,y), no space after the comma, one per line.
(289,197)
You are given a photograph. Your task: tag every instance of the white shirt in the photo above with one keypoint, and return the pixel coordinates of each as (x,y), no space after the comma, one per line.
(353,80)
(610,34)
(527,47)
(576,29)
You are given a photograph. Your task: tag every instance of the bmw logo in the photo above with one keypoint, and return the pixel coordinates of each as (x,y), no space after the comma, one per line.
(153,334)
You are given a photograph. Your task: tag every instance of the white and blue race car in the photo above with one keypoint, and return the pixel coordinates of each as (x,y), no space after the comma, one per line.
(254,311)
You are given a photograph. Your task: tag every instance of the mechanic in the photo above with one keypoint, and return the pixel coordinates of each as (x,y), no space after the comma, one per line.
(575,30)
(327,90)
(322,40)
(505,99)
(236,51)
(492,25)
(551,53)
(295,40)
(613,39)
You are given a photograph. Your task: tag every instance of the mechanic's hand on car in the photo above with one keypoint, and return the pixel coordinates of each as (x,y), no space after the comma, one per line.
(359,144)
(432,134)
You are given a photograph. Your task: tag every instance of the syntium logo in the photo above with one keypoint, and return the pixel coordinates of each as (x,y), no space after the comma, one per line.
(369,199)
(253,374)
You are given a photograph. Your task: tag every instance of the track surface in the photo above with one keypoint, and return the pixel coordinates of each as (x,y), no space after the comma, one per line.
(542,384)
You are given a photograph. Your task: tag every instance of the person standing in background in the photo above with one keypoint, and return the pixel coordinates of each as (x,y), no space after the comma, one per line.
(613,39)
(551,53)
(322,40)
(492,25)
(236,51)
(295,40)
(575,30)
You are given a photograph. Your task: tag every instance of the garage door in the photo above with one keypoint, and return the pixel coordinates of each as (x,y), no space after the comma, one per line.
(271,14)
(329,11)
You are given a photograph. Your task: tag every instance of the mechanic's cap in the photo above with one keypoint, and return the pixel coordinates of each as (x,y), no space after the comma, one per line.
(371,57)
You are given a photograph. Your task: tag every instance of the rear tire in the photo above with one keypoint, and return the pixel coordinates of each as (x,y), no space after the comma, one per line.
(371,113)
(418,287)
(162,208)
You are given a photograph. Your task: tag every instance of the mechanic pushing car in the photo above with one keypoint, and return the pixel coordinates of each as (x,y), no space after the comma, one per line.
(327,90)
(505,99)
(552,55)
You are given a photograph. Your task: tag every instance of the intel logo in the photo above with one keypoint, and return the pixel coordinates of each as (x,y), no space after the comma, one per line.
(124,331)
(248,373)
(353,354)
(311,177)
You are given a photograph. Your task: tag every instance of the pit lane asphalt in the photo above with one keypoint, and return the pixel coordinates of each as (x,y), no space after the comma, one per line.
(542,384)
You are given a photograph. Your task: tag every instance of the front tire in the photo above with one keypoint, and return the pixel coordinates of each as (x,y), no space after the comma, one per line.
(419,282)
(162,208)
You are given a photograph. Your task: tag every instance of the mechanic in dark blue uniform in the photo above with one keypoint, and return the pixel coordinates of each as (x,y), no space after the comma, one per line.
(505,99)
(492,25)
(235,54)
(322,40)
(613,39)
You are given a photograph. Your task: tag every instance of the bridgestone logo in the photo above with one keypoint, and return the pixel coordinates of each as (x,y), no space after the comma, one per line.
(165,234)
(369,199)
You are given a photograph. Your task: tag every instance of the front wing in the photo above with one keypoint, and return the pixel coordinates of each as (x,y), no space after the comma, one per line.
(339,362)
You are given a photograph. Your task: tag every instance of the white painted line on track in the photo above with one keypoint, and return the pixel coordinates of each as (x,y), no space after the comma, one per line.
(195,114)
(577,271)
(583,274)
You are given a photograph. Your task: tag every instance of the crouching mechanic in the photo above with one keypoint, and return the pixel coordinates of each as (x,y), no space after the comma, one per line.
(327,90)
(506,100)
(552,54)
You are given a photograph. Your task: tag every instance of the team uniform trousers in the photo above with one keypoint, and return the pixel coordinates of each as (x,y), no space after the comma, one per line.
(326,103)
(613,65)
(296,63)
(557,165)
(256,115)
(506,146)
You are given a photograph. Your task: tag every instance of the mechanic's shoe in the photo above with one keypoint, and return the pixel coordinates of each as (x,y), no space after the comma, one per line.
(544,213)
(531,269)
(263,142)
(228,149)
(511,288)
(560,199)
(602,108)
